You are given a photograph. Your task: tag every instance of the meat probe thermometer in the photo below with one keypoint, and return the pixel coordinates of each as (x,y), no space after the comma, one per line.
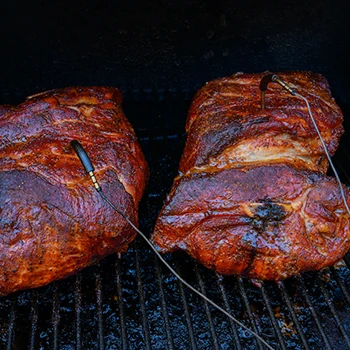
(268,78)
(86,162)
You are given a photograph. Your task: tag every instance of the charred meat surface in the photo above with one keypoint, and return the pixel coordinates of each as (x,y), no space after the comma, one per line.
(252,197)
(52,222)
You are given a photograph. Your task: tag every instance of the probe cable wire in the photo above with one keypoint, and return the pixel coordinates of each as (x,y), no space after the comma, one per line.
(276,79)
(104,197)
(89,168)
(325,149)
(99,190)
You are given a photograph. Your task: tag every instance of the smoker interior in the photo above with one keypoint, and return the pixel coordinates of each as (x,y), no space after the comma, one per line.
(160,53)
(133,302)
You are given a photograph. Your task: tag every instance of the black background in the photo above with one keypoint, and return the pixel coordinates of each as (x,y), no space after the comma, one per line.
(159,44)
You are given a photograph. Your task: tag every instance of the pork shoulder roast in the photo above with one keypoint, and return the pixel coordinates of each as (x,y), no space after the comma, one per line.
(252,197)
(52,221)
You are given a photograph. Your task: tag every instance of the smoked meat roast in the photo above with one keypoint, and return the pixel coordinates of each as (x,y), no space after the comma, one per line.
(252,197)
(53,223)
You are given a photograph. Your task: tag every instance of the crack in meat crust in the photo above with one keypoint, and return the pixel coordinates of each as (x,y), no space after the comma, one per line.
(252,197)
(52,223)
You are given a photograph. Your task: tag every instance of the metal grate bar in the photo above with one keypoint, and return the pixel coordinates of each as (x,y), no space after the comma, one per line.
(292,313)
(228,309)
(163,305)
(77,309)
(272,318)
(121,307)
(55,316)
(313,312)
(249,311)
(333,311)
(157,186)
(207,310)
(11,326)
(340,284)
(98,282)
(33,319)
(154,147)
(187,312)
(169,110)
(145,326)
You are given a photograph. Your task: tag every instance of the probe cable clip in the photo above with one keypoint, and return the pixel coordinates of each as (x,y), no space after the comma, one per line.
(85,160)
(274,78)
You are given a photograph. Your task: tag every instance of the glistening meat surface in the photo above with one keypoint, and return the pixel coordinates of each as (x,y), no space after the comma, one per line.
(264,222)
(52,222)
(252,198)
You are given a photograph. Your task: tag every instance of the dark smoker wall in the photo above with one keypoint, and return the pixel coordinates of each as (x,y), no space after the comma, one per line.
(161,44)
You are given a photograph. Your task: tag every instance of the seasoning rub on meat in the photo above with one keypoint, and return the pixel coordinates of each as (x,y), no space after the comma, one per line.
(252,197)
(52,222)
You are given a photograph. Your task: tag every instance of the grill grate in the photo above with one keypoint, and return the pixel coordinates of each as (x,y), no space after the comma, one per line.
(135,303)
(293,314)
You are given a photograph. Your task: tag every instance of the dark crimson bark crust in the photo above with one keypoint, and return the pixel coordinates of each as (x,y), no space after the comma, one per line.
(227,111)
(52,221)
(249,199)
